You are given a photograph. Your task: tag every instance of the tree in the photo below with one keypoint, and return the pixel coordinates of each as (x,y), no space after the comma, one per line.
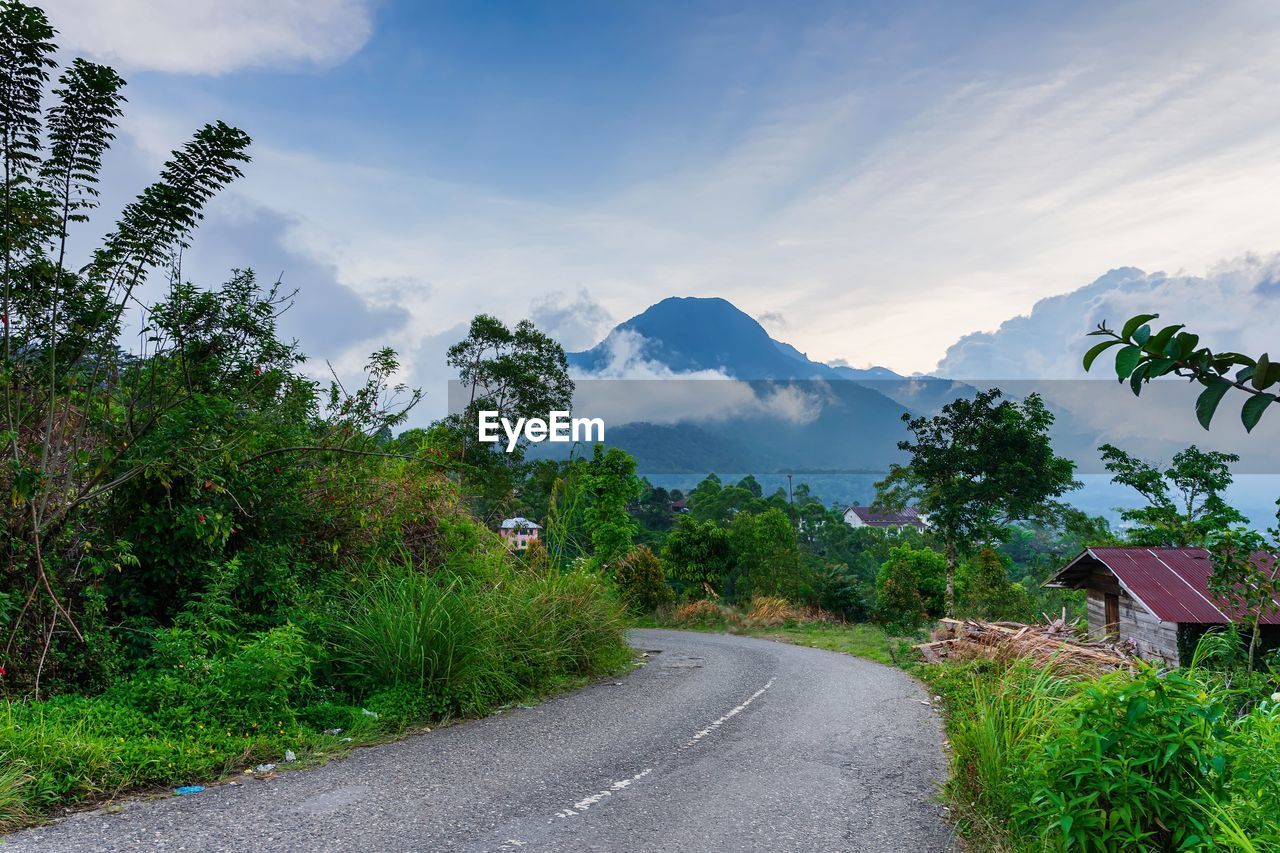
(75,407)
(698,555)
(909,585)
(609,485)
(1145,354)
(207,392)
(1184,502)
(518,373)
(990,595)
(977,466)
(1246,577)
(764,546)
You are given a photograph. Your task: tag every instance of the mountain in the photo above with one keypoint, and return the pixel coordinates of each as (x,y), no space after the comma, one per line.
(789,410)
(687,334)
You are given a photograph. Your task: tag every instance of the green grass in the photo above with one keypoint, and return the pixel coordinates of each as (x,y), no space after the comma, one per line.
(861,640)
(413,648)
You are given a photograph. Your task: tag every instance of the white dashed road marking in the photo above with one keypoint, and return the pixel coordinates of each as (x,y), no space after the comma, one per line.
(587,802)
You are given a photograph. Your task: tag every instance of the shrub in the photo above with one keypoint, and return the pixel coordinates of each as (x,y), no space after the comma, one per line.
(423,631)
(1127,765)
(769,611)
(641,583)
(703,613)
(557,626)
(1129,761)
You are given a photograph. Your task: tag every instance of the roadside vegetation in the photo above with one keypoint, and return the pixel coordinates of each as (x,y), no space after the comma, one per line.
(217,562)
(214,561)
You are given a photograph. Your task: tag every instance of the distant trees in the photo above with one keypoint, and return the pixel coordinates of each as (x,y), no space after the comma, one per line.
(977,466)
(1184,503)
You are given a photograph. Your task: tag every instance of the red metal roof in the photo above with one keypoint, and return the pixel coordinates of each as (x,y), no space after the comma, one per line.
(1173,583)
(907,516)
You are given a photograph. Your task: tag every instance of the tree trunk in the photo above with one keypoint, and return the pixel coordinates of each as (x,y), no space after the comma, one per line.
(950,601)
(1253,641)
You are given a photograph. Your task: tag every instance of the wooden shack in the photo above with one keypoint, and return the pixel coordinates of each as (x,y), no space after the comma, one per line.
(1158,599)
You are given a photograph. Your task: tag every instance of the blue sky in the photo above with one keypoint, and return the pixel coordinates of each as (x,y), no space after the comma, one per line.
(873,180)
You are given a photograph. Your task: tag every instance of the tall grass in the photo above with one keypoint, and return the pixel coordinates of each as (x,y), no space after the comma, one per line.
(471,644)
(1148,760)
(412,629)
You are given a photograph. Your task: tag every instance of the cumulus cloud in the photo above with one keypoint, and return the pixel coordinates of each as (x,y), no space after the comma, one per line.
(211,36)
(1223,306)
(577,322)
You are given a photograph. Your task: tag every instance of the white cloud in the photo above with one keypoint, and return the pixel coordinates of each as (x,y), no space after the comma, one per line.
(1223,306)
(577,322)
(879,242)
(211,36)
(629,388)
(883,218)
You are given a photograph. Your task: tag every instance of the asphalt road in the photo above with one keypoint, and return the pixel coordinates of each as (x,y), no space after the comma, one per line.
(718,743)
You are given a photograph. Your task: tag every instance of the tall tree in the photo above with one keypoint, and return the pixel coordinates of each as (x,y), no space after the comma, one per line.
(768,558)
(75,407)
(1184,503)
(977,466)
(517,372)
(609,486)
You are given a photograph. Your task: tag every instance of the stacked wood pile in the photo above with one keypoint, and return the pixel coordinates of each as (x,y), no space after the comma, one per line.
(1056,643)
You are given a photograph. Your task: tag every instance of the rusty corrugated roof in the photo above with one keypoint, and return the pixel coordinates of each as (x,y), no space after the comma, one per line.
(1173,583)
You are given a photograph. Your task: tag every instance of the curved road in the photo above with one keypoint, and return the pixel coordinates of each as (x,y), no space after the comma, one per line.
(719,743)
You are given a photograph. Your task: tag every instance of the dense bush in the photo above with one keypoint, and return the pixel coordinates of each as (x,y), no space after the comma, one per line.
(1149,760)
(641,582)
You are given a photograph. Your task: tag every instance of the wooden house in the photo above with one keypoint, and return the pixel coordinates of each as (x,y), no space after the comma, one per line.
(1157,599)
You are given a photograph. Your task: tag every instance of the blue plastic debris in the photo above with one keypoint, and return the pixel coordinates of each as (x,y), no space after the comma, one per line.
(189,789)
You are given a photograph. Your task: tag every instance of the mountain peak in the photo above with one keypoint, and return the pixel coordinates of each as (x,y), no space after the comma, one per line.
(692,333)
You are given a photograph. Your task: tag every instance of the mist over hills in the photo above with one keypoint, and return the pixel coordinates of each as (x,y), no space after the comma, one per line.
(810,415)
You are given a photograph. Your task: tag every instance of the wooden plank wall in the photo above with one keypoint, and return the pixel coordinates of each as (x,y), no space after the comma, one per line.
(1156,640)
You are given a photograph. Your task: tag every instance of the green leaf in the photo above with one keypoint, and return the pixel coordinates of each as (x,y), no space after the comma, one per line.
(1260,370)
(1187,343)
(1160,367)
(1210,397)
(1159,342)
(1126,360)
(1135,379)
(1253,409)
(1142,335)
(1097,350)
(1133,323)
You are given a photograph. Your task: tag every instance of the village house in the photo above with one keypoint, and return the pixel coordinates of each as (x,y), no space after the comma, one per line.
(1157,599)
(865,516)
(518,532)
